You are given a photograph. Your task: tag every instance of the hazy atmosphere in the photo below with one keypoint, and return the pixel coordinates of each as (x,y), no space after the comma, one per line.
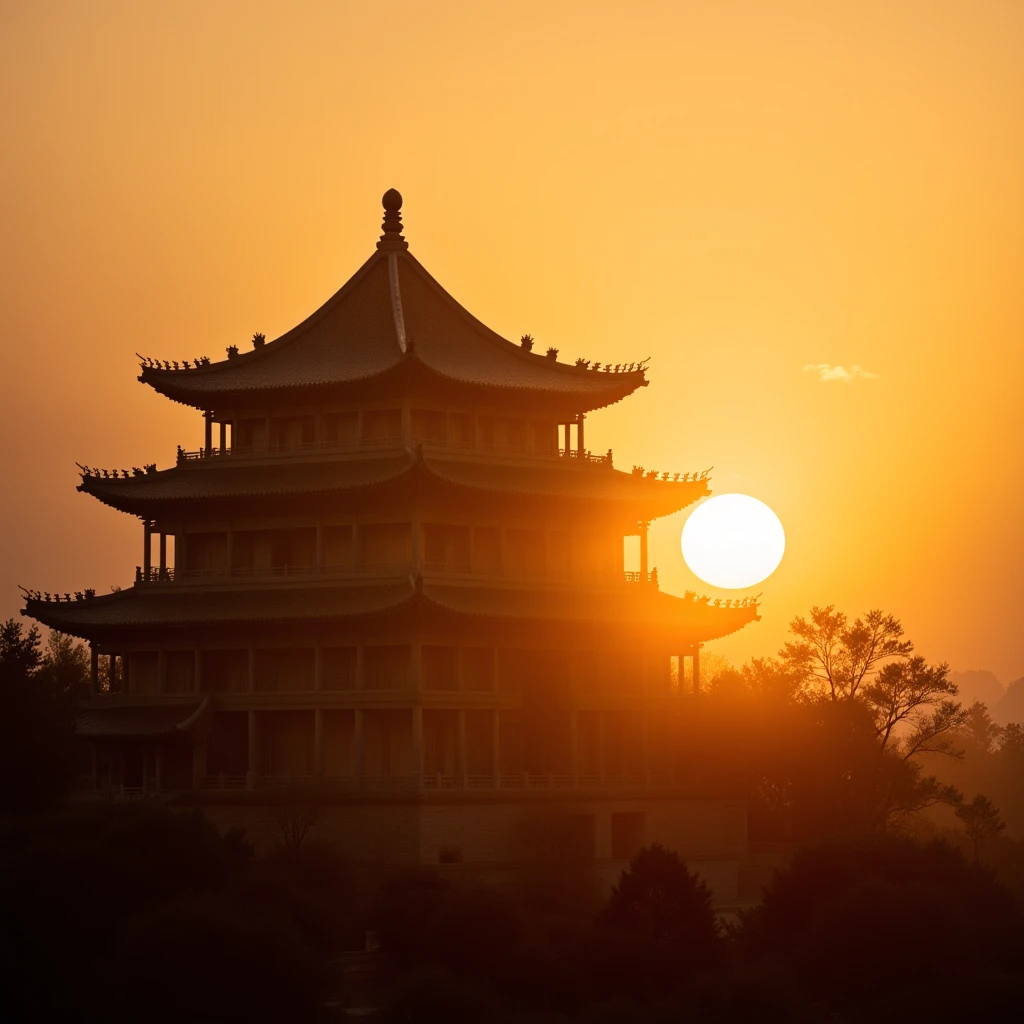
(518,511)
(808,215)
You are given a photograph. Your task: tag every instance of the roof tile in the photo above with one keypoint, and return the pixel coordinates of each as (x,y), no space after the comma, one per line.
(355,337)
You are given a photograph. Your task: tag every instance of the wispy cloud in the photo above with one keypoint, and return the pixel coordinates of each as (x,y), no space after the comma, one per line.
(847,374)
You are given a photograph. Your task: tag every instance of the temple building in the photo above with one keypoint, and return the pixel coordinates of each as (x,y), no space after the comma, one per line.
(390,586)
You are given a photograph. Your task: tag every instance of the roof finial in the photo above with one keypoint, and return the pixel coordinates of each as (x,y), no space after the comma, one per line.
(392,237)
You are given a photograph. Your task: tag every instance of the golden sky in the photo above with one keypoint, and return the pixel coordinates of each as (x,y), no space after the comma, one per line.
(736,189)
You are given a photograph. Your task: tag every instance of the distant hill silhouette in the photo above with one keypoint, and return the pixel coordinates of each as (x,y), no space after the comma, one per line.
(1011,707)
(979,684)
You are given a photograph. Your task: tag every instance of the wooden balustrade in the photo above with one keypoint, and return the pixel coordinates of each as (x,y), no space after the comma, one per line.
(175,575)
(372,784)
(349,444)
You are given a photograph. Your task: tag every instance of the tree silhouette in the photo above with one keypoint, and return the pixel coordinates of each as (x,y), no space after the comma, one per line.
(840,656)
(981,821)
(869,663)
(65,667)
(891,931)
(37,751)
(656,896)
(979,731)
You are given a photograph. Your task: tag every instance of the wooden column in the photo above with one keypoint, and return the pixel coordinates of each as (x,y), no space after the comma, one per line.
(207,433)
(198,762)
(253,752)
(357,552)
(357,746)
(94,670)
(223,436)
(645,745)
(416,668)
(147,548)
(318,743)
(417,745)
(579,433)
(416,685)
(417,544)
(460,749)
(163,554)
(643,551)
(574,744)
(112,672)
(496,747)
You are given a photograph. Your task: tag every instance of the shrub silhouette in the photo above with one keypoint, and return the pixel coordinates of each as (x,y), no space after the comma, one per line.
(891,929)
(658,898)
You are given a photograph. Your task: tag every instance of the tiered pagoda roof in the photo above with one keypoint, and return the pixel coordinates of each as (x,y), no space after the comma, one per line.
(692,618)
(391,323)
(391,326)
(221,480)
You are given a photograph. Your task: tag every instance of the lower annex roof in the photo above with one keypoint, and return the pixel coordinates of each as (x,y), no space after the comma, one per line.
(628,604)
(133,722)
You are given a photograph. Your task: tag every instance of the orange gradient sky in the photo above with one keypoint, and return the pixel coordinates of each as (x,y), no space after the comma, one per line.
(736,190)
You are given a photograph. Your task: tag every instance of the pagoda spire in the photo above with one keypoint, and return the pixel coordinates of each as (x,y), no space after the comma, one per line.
(392,237)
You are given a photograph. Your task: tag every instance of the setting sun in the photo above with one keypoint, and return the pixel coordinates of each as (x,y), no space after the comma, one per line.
(733,541)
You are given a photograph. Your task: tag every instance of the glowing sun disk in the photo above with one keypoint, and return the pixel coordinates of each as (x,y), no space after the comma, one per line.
(733,541)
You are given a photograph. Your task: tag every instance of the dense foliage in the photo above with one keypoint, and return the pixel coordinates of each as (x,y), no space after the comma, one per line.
(891,930)
(858,931)
(133,911)
(38,690)
(129,912)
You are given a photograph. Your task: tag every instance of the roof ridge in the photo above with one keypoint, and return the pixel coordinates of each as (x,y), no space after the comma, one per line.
(395,292)
(284,340)
(492,336)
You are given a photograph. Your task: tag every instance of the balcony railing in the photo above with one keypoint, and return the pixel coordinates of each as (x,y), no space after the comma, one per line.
(433,782)
(288,448)
(517,782)
(378,569)
(642,577)
(354,444)
(171,575)
(453,568)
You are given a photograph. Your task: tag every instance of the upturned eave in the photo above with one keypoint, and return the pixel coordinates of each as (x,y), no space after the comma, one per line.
(149,610)
(222,481)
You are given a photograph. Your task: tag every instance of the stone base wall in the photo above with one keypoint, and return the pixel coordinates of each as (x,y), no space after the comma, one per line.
(496,838)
